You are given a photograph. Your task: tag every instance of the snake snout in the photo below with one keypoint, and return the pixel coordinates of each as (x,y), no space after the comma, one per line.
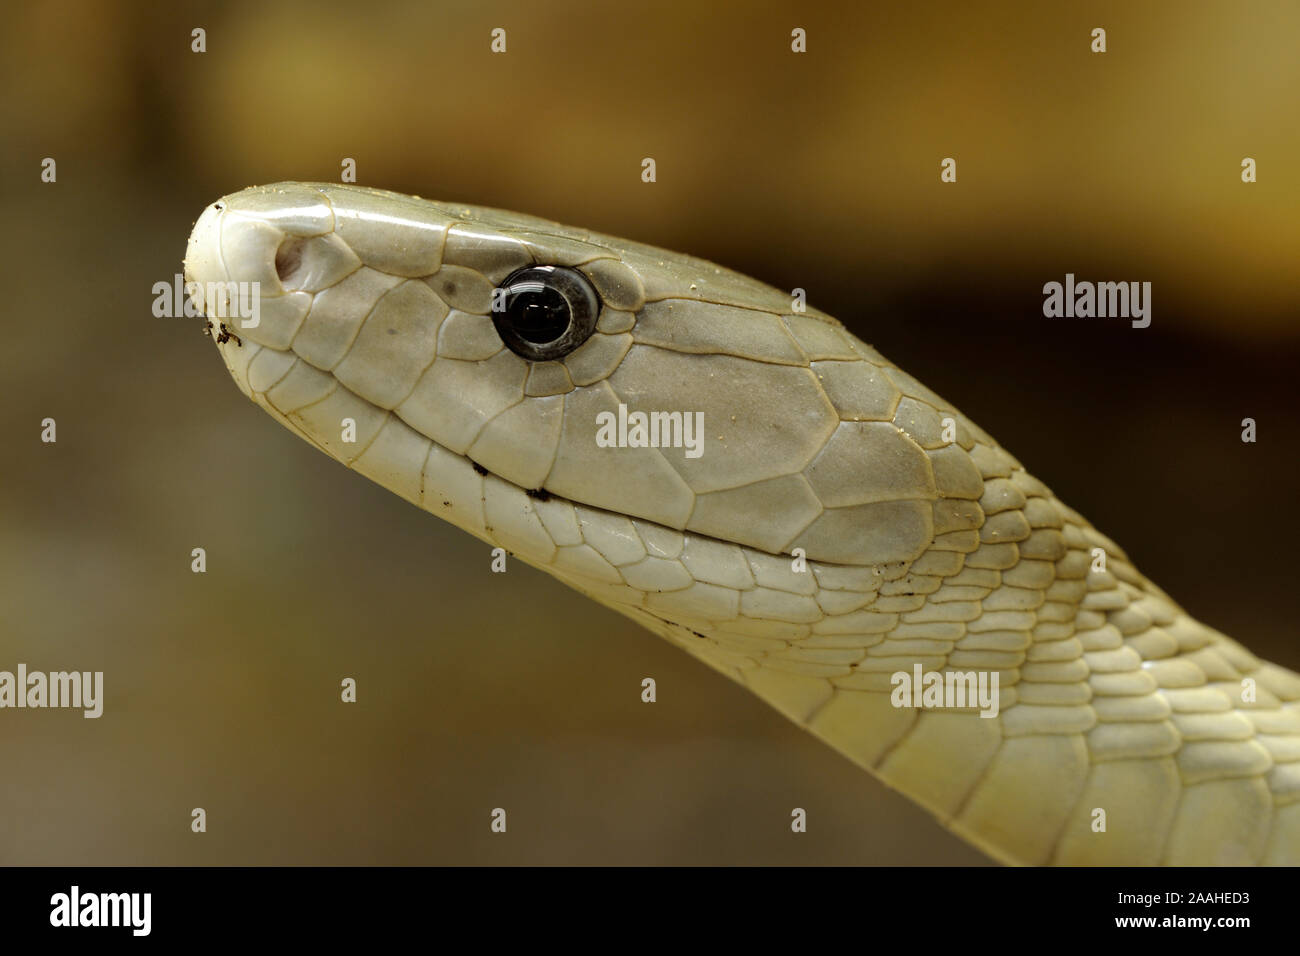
(203,253)
(232,273)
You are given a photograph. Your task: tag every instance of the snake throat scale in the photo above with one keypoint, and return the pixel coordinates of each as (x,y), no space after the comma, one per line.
(839,525)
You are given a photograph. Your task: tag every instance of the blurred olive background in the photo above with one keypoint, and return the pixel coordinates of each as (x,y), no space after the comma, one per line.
(818,170)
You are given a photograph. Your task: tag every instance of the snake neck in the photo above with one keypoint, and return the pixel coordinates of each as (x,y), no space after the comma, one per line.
(1021,679)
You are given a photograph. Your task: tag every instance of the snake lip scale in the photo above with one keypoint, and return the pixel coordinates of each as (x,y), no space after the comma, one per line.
(841,529)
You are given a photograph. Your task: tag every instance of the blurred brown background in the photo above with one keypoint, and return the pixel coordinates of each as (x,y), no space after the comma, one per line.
(819,170)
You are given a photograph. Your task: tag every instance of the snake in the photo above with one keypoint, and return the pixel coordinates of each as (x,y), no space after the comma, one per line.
(733,469)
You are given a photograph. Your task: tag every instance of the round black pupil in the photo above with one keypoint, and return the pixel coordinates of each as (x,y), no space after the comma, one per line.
(539,314)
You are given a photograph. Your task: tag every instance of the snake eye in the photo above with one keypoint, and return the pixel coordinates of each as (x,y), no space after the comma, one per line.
(545,312)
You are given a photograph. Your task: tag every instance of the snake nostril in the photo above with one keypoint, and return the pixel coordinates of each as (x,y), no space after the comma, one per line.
(288,258)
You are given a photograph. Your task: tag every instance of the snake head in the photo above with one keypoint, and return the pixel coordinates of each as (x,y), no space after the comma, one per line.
(440,349)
